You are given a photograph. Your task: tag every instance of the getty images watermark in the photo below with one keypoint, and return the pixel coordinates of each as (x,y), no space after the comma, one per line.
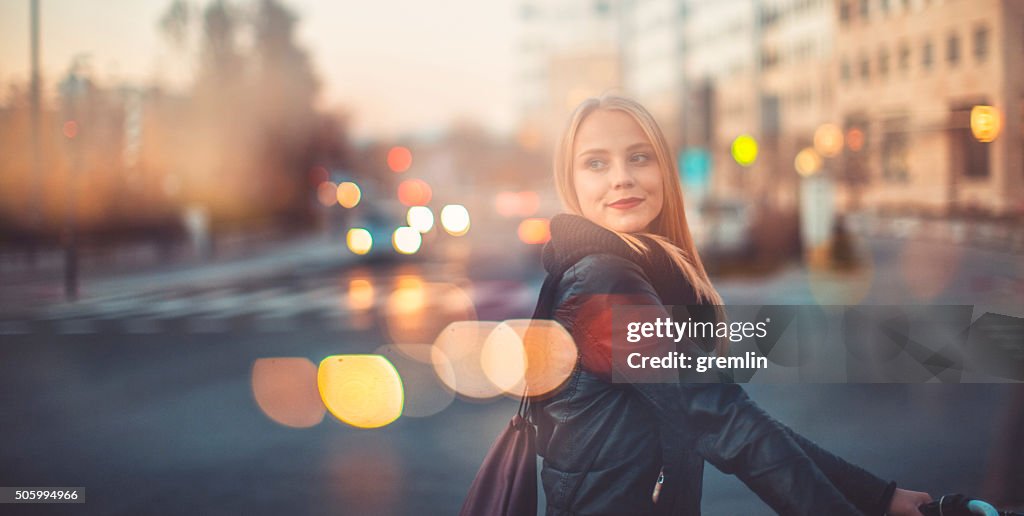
(817,344)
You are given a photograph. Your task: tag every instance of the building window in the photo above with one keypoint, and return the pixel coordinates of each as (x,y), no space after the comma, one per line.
(953,49)
(981,43)
(926,55)
(904,57)
(865,68)
(883,62)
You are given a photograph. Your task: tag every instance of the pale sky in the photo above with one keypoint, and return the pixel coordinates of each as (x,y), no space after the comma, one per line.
(401,66)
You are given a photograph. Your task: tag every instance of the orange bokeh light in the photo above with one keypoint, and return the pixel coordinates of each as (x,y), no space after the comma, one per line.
(399,159)
(534,231)
(286,391)
(414,192)
(70,129)
(327,193)
(855,139)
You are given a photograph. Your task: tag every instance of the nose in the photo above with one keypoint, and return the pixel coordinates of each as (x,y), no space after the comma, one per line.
(621,178)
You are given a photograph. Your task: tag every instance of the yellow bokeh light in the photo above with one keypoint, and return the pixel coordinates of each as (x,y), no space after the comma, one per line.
(534,231)
(406,240)
(425,394)
(359,240)
(744,150)
(828,140)
(539,352)
(456,355)
(455,219)
(420,218)
(503,359)
(285,389)
(349,194)
(807,162)
(364,391)
(986,123)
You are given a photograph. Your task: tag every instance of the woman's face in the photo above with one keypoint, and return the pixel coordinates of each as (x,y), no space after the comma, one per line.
(617,177)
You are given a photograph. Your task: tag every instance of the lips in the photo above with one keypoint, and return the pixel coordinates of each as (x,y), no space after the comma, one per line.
(626,203)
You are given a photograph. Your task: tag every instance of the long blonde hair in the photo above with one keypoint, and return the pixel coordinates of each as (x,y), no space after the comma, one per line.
(669,229)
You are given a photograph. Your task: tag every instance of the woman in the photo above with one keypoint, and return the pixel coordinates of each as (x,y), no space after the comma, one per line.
(625,241)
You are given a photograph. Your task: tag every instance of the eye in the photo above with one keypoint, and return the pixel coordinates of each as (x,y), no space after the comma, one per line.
(595,164)
(640,157)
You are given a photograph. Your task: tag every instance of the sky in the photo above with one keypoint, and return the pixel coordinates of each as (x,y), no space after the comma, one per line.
(400,67)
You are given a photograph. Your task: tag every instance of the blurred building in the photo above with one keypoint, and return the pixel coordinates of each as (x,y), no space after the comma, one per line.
(653,50)
(797,38)
(570,50)
(907,76)
(722,51)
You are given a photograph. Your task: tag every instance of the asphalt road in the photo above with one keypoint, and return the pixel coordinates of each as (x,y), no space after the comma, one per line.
(146,400)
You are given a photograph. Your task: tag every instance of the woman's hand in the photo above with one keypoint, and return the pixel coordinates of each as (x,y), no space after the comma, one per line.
(906,503)
(657,485)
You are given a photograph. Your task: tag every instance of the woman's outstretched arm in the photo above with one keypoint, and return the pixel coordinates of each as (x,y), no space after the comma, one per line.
(719,420)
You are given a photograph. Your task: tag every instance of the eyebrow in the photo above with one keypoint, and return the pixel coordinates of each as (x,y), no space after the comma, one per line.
(635,146)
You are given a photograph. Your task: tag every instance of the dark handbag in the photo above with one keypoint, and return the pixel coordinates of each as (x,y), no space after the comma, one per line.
(506,484)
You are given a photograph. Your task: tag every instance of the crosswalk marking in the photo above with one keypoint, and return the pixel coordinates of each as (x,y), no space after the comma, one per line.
(222,309)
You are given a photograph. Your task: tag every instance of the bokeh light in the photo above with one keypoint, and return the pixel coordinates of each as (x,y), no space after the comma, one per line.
(317,175)
(414,192)
(455,219)
(364,391)
(285,389)
(986,123)
(349,194)
(406,240)
(399,159)
(456,357)
(828,140)
(359,240)
(360,294)
(807,162)
(327,193)
(506,204)
(855,139)
(744,150)
(416,311)
(539,352)
(534,231)
(70,129)
(425,393)
(420,218)
(529,203)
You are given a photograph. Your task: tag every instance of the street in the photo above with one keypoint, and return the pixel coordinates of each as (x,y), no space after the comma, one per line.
(146,398)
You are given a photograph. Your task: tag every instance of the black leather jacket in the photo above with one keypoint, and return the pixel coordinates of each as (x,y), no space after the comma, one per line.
(604,443)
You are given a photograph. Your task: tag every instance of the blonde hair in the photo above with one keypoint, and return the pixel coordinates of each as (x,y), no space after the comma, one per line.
(669,229)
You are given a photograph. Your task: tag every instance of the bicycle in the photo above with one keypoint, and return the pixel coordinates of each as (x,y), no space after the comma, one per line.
(961,505)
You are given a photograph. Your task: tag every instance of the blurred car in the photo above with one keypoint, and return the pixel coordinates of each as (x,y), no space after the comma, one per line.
(725,227)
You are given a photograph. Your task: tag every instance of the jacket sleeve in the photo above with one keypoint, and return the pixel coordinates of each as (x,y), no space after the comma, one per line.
(718,420)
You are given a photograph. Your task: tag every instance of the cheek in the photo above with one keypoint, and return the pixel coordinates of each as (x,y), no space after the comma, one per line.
(588,190)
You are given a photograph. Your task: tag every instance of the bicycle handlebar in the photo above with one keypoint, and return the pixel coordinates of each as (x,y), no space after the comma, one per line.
(960,505)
